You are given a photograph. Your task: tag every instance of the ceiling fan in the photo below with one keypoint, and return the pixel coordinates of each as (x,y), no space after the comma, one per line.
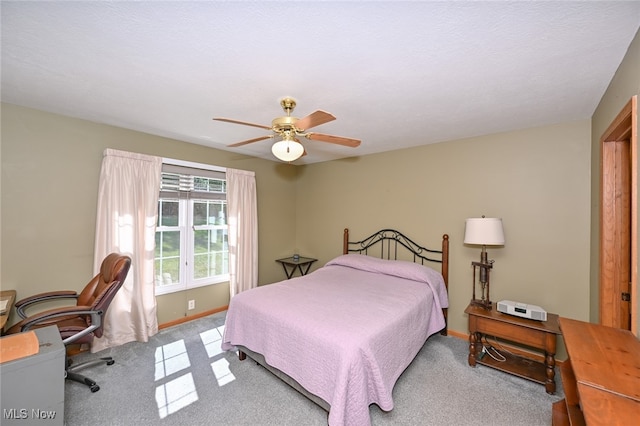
(287,129)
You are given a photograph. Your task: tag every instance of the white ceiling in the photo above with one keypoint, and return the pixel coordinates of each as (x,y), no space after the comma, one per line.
(395,74)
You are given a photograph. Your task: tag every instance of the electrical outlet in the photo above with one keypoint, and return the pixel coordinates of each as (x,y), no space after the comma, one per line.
(192,304)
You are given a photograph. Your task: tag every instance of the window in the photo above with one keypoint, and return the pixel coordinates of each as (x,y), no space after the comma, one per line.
(191,233)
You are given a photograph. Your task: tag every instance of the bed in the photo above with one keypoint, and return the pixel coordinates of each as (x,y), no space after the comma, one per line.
(343,334)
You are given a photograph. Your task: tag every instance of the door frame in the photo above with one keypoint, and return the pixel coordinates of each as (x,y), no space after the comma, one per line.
(618,218)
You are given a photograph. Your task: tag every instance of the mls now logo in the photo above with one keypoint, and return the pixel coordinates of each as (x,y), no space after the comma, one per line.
(14,413)
(23,413)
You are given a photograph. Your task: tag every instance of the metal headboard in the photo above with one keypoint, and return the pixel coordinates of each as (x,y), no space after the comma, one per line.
(388,241)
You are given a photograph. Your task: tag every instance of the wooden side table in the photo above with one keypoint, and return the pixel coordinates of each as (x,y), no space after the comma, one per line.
(290,264)
(540,335)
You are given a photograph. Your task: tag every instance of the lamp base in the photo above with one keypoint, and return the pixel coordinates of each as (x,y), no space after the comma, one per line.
(486,304)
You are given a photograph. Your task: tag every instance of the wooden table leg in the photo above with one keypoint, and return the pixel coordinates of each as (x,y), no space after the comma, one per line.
(550,364)
(550,383)
(473,341)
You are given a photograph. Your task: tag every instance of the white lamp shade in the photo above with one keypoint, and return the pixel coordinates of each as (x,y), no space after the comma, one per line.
(486,231)
(287,150)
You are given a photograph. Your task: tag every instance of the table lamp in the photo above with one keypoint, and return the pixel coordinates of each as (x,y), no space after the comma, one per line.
(483,231)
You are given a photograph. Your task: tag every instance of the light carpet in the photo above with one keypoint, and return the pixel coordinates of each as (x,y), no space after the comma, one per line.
(181,377)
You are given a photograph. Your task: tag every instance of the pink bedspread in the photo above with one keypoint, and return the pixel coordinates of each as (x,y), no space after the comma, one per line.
(344,332)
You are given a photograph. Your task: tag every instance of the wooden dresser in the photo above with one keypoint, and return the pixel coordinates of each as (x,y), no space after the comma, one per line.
(601,378)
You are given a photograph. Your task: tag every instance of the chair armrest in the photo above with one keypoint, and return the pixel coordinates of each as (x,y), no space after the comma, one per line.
(27,302)
(52,316)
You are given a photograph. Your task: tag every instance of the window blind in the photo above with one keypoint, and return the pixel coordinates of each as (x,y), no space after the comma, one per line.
(189,182)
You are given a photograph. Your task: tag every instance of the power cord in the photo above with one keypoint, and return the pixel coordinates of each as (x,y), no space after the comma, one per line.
(487,348)
(502,348)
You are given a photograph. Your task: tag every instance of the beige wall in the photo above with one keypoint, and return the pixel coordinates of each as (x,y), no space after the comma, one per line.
(625,84)
(542,182)
(50,169)
(537,180)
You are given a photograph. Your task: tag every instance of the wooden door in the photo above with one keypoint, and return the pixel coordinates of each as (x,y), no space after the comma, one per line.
(618,220)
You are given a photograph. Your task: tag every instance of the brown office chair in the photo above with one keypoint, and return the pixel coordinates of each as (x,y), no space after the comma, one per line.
(80,323)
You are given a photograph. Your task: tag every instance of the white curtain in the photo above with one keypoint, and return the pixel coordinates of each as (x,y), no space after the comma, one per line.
(126,219)
(243,230)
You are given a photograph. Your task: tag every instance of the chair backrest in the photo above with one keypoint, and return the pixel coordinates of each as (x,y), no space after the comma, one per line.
(101,290)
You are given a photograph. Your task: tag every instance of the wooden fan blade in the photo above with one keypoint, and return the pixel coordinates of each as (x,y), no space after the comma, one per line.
(229,120)
(314,119)
(261,138)
(339,140)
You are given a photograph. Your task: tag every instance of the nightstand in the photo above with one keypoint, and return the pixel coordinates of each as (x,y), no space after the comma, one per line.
(290,264)
(531,334)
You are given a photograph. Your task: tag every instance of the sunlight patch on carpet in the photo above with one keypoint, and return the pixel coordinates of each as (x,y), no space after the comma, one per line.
(212,341)
(170,359)
(175,395)
(222,372)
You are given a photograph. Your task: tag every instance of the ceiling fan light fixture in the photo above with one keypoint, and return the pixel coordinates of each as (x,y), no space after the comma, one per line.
(288,127)
(287,149)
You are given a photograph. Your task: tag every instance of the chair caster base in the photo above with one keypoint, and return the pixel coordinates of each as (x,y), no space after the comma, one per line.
(70,373)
